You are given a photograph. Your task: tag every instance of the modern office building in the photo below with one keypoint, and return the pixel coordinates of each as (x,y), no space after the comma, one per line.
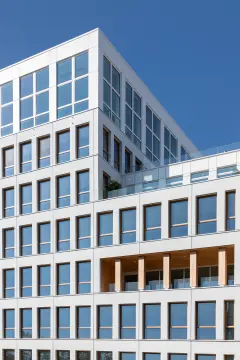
(148,271)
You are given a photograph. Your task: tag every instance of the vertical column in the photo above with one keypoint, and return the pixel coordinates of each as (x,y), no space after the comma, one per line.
(222,267)
(118,275)
(141,273)
(166,271)
(193,270)
(220,313)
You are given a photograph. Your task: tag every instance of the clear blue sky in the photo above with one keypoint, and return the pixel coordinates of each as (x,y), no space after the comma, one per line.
(186,51)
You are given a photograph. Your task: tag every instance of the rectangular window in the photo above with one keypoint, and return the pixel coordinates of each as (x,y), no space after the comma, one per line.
(9,354)
(44,194)
(9,207)
(205,357)
(8,243)
(44,355)
(106,181)
(106,144)
(199,176)
(44,159)
(138,165)
(26,240)
(131,282)
(152,222)
(174,181)
(105,223)
(8,161)
(84,322)
(9,323)
(83,141)
(63,189)
(26,323)
(152,321)
(26,282)
(180,278)
(9,283)
(154,280)
(105,322)
(229,357)
(44,280)
(44,238)
(229,320)
(170,147)
(63,355)
(26,157)
(63,235)
(151,356)
(207,214)
(178,321)
(63,279)
(83,187)
(179,218)
(230,274)
(26,354)
(83,355)
(127,356)
(128,322)
(44,323)
(184,154)
(6,108)
(128,226)
(206,321)
(63,322)
(26,199)
(230,211)
(84,277)
(84,232)
(117,154)
(226,171)
(128,161)
(63,146)
(207,276)
(153,136)
(104,355)
(177,356)
(133,110)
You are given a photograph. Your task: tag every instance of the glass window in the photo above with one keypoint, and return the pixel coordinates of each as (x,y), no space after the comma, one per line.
(84,322)
(205,357)
(26,199)
(6,108)
(117,154)
(154,280)
(26,157)
(84,277)
(9,243)
(64,71)
(63,241)
(106,141)
(180,278)
(26,282)
(207,276)
(229,320)
(174,181)
(26,354)
(131,282)
(105,229)
(8,161)
(199,176)
(178,321)
(84,232)
(127,356)
(83,141)
(177,356)
(184,154)
(128,226)
(83,187)
(226,171)
(44,238)
(230,274)
(133,115)
(63,317)
(128,322)
(105,322)
(26,240)
(138,165)
(42,79)
(106,180)
(107,69)
(26,85)
(83,355)
(81,64)
(206,321)
(152,136)
(170,147)
(63,183)
(207,214)
(230,211)
(229,357)
(7,93)
(44,278)
(128,161)
(26,323)
(63,279)
(44,323)
(9,323)
(179,218)
(44,152)
(151,356)
(9,354)
(63,355)
(152,321)
(104,355)
(152,223)
(9,202)
(9,283)
(44,355)
(63,147)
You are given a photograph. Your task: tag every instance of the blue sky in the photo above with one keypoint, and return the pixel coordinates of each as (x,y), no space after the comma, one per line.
(187,52)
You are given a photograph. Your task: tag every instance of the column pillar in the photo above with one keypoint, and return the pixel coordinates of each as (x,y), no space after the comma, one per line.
(141,273)
(166,271)
(193,270)
(222,267)
(118,275)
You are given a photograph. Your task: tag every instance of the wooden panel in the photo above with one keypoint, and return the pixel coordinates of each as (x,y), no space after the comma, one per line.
(141,273)
(166,271)
(193,269)
(222,267)
(118,275)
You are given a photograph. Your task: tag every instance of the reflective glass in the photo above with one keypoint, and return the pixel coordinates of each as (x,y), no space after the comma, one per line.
(128,356)
(9,243)
(206,320)
(84,232)
(63,355)
(63,235)
(44,354)
(83,187)
(26,240)
(64,146)
(26,85)
(115,79)
(105,322)
(44,238)
(128,224)
(84,322)
(178,357)
(42,79)
(44,280)
(9,325)
(7,115)
(128,322)
(81,89)
(26,354)
(6,93)
(42,103)
(128,94)
(105,355)
(152,356)
(26,197)
(26,282)
(83,141)
(63,322)
(63,279)
(26,323)
(64,191)
(178,321)
(44,195)
(64,71)
(9,354)
(105,229)
(9,283)
(81,64)
(152,320)
(9,202)
(44,323)
(64,95)
(153,222)
(26,108)
(83,355)
(106,69)
(84,277)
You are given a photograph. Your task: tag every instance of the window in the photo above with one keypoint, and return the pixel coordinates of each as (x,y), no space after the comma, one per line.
(9,207)
(44,355)
(227,171)
(106,143)
(9,354)
(26,157)
(44,159)
(105,322)
(230,274)
(63,188)
(8,243)
(83,187)
(133,113)
(63,146)
(72,85)
(44,280)
(9,323)
(84,232)
(63,355)
(44,238)
(128,161)
(152,222)
(26,323)
(154,280)
(152,321)
(84,322)
(153,136)
(178,321)
(105,236)
(6,108)
(229,357)
(26,240)
(9,283)
(8,161)
(84,277)
(83,355)
(138,165)
(229,320)
(26,199)
(83,141)
(180,278)
(206,321)
(230,211)
(63,323)
(106,180)
(128,226)
(184,154)
(179,218)
(44,191)
(104,355)
(26,354)
(131,282)
(170,147)
(199,176)
(44,323)
(63,240)
(128,322)
(111,91)
(26,282)
(151,356)
(174,181)
(63,279)
(34,99)
(117,154)
(207,276)
(207,214)
(177,356)
(127,356)
(205,357)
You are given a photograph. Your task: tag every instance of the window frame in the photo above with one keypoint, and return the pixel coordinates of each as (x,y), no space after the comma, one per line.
(227,327)
(4,152)
(183,327)
(22,186)
(21,322)
(100,235)
(63,283)
(79,328)
(58,322)
(199,222)
(67,196)
(65,152)
(40,158)
(151,327)
(28,162)
(4,247)
(84,147)
(21,281)
(145,228)
(230,217)
(128,231)
(43,327)
(98,321)
(5,288)
(197,320)
(40,285)
(6,208)
(5,328)
(121,327)
(86,192)
(79,283)
(171,225)
(117,160)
